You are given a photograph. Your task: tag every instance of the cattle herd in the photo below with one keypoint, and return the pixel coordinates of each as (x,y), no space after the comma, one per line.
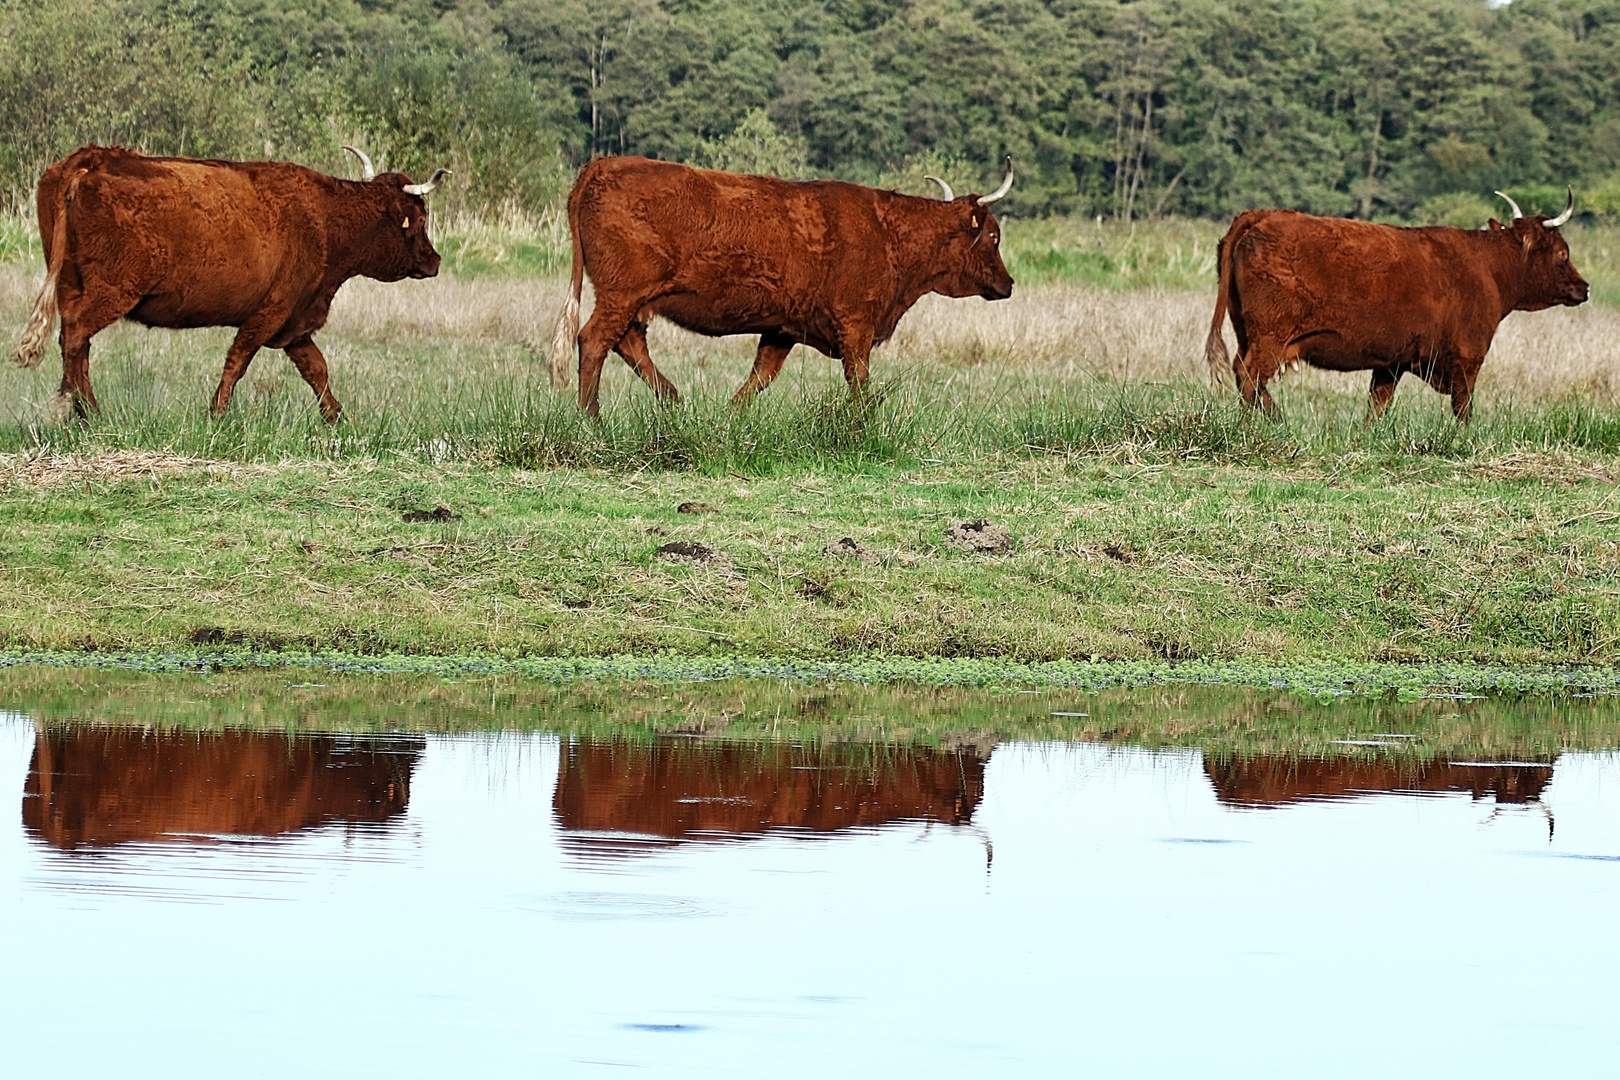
(263,246)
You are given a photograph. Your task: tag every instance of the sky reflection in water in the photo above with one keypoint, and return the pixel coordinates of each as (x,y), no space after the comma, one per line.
(244,905)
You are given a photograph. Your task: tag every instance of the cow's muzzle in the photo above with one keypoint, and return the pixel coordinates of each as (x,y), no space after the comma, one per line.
(998,290)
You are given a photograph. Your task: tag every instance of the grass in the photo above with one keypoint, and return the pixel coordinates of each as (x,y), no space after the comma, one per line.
(1154,522)
(1222,720)
(1505,561)
(451,369)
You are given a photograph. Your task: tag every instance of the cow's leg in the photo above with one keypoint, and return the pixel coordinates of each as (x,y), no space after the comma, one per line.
(254,333)
(312,366)
(1382,391)
(857,349)
(85,313)
(1254,367)
(75,393)
(601,333)
(773,352)
(1462,390)
(633,347)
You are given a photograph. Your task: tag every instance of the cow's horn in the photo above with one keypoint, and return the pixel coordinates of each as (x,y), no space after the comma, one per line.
(950,196)
(1569,208)
(366,171)
(432,182)
(1517,213)
(1000,192)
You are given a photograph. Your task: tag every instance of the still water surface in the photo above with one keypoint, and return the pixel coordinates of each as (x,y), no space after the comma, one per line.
(239,904)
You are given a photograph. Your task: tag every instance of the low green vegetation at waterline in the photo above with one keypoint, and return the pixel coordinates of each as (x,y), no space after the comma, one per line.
(1409,725)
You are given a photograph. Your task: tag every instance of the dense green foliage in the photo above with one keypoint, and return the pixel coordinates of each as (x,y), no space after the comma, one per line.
(1404,108)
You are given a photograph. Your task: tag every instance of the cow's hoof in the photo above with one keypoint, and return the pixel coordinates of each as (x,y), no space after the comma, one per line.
(59,410)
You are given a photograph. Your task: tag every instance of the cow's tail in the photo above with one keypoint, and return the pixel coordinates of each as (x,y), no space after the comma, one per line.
(38,329)
(565,335)
(1215,354)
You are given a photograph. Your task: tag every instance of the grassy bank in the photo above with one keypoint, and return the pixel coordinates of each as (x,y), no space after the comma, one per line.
(1147,518)
(1507,561)
(1221,720)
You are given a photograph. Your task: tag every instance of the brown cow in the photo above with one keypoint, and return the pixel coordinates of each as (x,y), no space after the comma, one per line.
(91,786)
(260,245)
(822,263)
(1279,779)
(680,789)
(1353,296)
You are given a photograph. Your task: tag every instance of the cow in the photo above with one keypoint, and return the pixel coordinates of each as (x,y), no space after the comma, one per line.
(175,242)
(823,263)
(96,786)
(670,791)
(1353,296)
(1281,779)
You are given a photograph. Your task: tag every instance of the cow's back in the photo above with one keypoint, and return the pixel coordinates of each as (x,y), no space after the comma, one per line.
(201,242)
(1366,291)
(731,254)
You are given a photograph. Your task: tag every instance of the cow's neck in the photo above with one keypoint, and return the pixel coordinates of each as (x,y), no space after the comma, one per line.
(1506,261)
(915,258)
(353,238)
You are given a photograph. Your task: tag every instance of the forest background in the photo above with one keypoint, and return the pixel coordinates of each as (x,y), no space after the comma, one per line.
(1407,110)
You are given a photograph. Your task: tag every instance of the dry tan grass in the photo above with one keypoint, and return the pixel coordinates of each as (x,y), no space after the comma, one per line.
(1058,332)
(50,470)
(384,338)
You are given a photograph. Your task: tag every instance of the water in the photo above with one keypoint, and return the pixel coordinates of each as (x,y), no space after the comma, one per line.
(240,904)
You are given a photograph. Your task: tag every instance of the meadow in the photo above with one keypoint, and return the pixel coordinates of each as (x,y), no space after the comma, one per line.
(463,507)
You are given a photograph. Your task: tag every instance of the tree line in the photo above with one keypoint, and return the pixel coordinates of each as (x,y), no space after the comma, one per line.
(1390,109)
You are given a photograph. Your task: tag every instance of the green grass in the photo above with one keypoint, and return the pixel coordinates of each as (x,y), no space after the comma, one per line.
(904,424)
(1171,254)
(1221,720)
(1505,561)
(1155,523)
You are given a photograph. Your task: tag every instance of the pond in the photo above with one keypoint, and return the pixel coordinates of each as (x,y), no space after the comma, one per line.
(226,901)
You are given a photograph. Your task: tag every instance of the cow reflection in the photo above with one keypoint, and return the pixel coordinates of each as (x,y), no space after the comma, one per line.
(677,790)
(1274,780)
(91,787)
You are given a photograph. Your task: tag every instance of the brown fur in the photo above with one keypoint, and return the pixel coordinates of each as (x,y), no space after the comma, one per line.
(1274,780)
(97,786)
(681,789)
(822,263)
(177,243)
(1354,296)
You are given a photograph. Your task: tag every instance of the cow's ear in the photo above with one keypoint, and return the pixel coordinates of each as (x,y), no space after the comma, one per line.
(1494,224)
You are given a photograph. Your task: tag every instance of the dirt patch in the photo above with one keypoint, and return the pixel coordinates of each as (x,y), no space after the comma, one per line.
(981,536)
(695,508)
(694,553)
(216,635)
(438,513)
(1558,468)
(1094,552)
(50,470)
(849,548)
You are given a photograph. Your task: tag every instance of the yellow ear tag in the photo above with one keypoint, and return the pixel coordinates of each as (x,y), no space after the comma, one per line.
(973,221)
(405,224)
